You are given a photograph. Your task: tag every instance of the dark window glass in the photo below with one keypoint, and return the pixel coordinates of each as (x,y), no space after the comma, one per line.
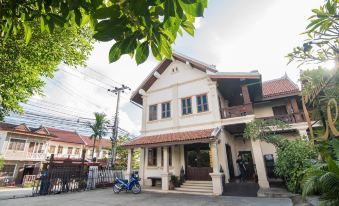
(152,112)
(202,104)
(7,170)
(165,110)
(186,106)
(152,157)
(279,110)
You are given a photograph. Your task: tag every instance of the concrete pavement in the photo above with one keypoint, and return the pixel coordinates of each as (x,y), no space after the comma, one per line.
(8,193)
(107,197)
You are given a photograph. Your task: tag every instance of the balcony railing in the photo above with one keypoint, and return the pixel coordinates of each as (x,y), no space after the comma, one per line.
(36,156)
(236,111)
(287,118)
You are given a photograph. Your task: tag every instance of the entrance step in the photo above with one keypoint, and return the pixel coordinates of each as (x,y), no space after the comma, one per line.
(190,186)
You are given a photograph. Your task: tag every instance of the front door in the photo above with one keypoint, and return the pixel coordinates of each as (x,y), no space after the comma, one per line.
(197,162)
(246,157)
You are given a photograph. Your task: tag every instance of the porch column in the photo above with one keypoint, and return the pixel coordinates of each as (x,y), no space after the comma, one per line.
(129,164)
(216,175)
(259,163)
(165,176)
(142,165)
(182,157)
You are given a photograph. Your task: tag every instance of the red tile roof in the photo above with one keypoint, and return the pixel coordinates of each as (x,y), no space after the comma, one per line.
(65,136)
(104,143)
(23,129)
(279,87)
(171,137)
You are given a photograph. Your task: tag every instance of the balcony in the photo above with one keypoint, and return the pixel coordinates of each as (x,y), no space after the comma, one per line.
(23,155)
(236,111)
(287,118)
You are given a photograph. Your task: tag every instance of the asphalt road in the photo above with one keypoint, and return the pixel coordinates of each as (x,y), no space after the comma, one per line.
(107,197)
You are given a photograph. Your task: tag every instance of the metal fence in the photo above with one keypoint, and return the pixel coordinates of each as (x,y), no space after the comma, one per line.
(60,180)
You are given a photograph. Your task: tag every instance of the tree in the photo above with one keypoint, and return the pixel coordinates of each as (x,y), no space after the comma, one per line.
(122,155)
(133,25)
(2,163)
(99,128)
(24,66)
(322,43)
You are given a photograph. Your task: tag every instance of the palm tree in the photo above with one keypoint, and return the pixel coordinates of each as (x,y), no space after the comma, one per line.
(99,128)
(323,178)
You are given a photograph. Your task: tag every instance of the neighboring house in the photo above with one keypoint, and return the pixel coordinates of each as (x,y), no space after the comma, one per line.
(23,149)
(103,148)
(194,116)
(66,144)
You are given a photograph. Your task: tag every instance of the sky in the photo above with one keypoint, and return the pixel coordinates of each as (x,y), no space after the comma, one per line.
(234,35)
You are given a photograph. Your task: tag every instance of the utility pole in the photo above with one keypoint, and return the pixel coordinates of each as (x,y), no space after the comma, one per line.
(115,129)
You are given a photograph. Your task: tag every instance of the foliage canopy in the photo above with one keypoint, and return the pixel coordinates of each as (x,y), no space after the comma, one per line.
(135,26)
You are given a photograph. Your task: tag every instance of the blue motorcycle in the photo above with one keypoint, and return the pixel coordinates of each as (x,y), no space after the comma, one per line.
(131,185)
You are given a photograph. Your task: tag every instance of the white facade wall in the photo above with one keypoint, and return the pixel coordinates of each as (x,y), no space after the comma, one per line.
(65,146)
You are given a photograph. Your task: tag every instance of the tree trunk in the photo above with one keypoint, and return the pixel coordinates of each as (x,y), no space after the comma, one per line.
(95,138)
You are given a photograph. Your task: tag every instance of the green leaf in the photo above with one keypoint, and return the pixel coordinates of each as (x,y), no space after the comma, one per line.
(114,52)
(128,45)
(156,51)
(188,27)
(107,30)
(78,17)
(28,33)
(60,21)
(193,7)
(170,8)
(107,12)
(165,47)
(142,53)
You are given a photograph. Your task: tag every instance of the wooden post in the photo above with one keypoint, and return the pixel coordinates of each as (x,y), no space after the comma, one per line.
(245,94)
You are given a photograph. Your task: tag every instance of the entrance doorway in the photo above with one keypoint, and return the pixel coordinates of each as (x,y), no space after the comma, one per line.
(246,157)
(229,161)
(197,158)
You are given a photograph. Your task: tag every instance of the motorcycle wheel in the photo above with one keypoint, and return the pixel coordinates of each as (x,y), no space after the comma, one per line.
(136,189)
(116,188)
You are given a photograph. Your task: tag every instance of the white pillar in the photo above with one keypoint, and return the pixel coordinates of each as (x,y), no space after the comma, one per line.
(165,176)
(216,175)
(182,157)
(142,165)
(259,163)
(129,164)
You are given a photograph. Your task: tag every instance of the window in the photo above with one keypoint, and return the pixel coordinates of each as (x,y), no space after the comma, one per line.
(7,170)
(31,147)
(70,150)
(166,110)
(51,149)
(186,106)
(40,147)
(279,110)
(152,157)
(60,148)
(202,104)
(169,156)
(17,144)
(77,151)
(152,112)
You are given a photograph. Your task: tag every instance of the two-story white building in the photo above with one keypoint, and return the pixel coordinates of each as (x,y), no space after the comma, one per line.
(23,149)
(194,116)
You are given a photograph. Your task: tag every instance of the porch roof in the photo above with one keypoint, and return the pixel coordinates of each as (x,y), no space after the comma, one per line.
(185,137)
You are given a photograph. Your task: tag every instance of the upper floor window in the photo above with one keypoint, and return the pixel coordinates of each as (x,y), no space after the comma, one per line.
(186,106)
(152,157)
(77,151)
(202,104)
(152,112)
(17,144)
(51,149)
(60,148)
(279,110)
(166,110)
(69,150)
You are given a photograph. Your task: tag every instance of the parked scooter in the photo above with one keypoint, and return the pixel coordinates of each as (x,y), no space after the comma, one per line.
(131,185)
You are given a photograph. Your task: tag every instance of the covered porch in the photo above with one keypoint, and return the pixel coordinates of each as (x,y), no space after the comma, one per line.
(192,155)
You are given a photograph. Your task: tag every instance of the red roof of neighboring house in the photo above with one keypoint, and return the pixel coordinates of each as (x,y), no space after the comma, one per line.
(279,87)
(104,143)
(171,137)
(65,136)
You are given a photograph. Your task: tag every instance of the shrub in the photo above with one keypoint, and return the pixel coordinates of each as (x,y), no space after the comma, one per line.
(293,159)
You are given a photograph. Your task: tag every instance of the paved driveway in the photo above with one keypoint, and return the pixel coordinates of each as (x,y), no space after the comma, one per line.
(106,197)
